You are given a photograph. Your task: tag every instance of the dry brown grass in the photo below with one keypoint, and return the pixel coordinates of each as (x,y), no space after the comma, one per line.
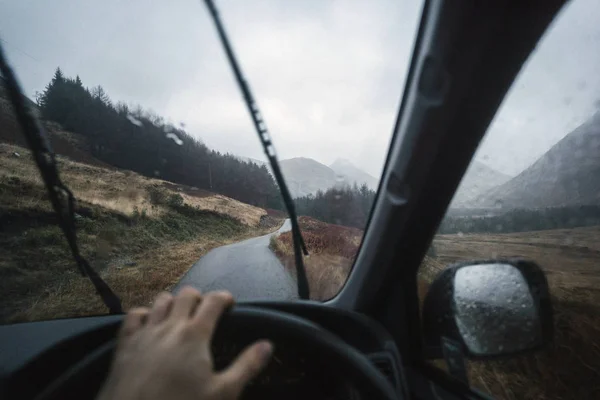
(246,213)
(155,270)
(570,368)
(121,191)
(332,249)
(140,246)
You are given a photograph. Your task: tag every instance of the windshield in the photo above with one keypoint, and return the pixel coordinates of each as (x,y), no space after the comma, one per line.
(153,138)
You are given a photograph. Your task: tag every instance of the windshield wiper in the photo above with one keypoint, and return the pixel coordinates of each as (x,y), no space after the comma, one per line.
(61,197)
(265,140)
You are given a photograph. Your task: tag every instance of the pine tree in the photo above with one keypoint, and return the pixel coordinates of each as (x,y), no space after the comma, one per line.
(136,139)
(99,94)
(59,77)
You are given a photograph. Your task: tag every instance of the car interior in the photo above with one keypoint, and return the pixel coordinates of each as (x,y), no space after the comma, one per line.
(374,339)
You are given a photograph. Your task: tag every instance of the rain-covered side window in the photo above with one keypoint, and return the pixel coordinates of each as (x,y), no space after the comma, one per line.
(533,191)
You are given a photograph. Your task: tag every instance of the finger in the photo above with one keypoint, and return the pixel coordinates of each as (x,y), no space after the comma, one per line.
(185,303)
(160,309)
(246,366)
(133,321)
(210,310)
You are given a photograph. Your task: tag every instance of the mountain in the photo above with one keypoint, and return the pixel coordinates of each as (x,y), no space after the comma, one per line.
(478,179)
(566,175)
(352,174)
(306,176)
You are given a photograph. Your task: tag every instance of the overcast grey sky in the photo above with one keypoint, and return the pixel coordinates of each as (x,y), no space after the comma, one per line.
(327,75)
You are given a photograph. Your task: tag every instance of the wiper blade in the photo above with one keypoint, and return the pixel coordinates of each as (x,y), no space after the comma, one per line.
(269,149)
(61,197)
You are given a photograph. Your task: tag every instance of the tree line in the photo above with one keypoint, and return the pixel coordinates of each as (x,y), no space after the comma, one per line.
(521,220)
(347,205)
(139,140)
(129,137)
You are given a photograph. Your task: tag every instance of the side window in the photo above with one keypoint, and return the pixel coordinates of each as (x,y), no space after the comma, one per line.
(533,191)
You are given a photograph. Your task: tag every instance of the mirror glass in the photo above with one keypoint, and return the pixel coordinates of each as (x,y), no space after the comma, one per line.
(494,310)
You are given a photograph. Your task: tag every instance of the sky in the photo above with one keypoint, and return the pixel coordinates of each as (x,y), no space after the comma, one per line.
(327,74)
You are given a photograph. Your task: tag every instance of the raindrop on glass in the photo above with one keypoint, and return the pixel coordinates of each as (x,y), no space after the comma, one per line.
(134,120)
(175,138)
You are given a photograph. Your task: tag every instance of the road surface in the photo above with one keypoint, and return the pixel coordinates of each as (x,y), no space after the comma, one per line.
(248,269)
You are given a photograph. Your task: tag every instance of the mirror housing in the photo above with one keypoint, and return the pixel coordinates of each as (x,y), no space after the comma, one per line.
(487,309)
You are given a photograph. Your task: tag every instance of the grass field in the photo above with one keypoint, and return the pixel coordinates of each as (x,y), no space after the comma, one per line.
(141,235)
(332,249)
(570,368)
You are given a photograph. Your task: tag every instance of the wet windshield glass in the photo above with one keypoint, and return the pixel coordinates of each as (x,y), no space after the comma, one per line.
(154,140)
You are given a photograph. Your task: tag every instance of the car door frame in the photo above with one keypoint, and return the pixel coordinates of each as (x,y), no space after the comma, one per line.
(466,56)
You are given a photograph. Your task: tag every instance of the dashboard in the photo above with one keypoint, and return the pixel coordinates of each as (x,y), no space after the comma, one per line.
(38,352)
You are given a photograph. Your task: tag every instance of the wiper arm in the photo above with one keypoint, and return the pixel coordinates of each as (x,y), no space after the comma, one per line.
(61,197)
(269,149)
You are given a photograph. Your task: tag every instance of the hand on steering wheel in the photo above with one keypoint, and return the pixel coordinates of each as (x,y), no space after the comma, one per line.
(164,352)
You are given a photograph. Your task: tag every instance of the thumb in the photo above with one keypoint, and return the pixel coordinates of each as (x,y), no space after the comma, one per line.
(247,366)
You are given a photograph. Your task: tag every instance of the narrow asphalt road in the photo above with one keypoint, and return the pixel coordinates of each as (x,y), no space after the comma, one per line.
(248,269)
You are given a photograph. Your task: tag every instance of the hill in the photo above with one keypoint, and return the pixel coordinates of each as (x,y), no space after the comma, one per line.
(131,138)
(478,179)
(140,230)
(353,174)
(566,175)
(141,234)
(306,176)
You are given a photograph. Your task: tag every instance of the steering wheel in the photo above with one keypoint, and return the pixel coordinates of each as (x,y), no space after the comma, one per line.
(82,378)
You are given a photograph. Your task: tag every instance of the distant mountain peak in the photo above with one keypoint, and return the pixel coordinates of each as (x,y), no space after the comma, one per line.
(306,176)
(352,174)
(342,162)
(478,179)
(566,175)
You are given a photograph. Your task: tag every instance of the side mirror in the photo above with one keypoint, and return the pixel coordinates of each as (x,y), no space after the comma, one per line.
(487,309)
